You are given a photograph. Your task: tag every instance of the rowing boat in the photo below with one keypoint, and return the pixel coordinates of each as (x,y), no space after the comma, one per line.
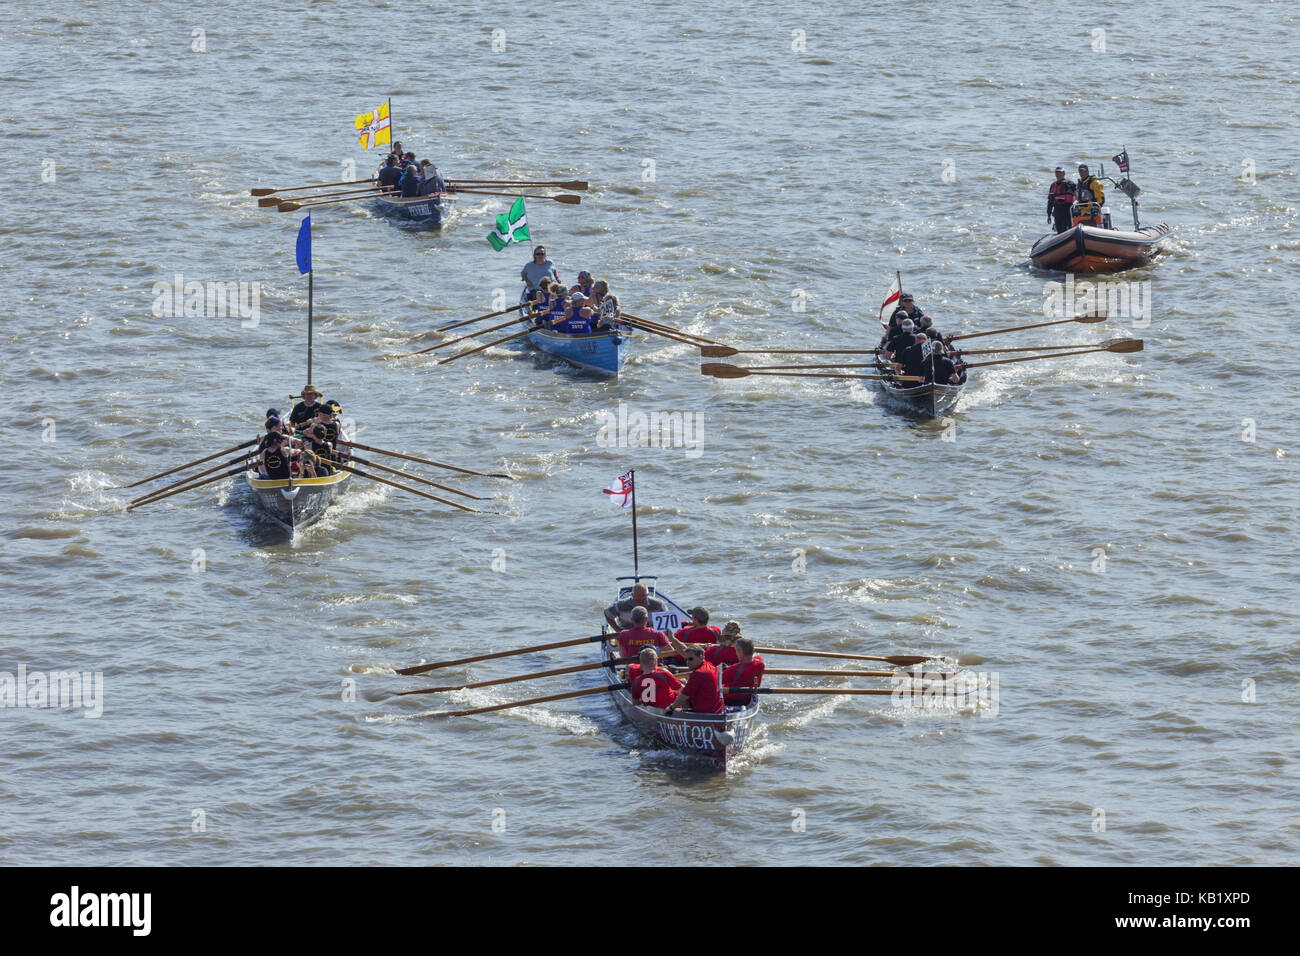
(1089,248)
(933,399)
(603,352)
(422,209)
(717,738)
(294,504)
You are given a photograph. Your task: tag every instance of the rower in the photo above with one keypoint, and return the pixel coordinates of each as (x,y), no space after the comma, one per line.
(1060,196)
(577,318)
(305,410)
(1090,196)
(900,340)
(389,174)
(410,181)
(747,673)
(275,456)
(701,689)
(650,684)
(632,639)
(724,652)
(619,614)
(537,270)
(584,283)
(431,180)
(698,631)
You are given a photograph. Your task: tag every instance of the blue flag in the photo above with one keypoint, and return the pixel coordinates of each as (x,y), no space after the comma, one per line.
(304,246)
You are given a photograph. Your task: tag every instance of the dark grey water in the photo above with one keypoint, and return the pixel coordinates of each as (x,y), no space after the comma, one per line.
(1094,533)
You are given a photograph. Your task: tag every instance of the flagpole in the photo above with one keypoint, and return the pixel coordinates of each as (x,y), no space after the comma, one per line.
(310,273)
(636,570)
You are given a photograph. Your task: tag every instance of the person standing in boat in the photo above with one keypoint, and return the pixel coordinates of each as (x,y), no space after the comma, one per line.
(1060,197)
(620,614)
(908,309)
(747,673)
(701,689)
(1089,191)
(540,268)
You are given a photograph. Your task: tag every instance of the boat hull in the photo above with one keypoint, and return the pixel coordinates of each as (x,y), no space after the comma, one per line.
(428,210)
(933,400)
(297,505)
(1087,249)
(603,353)
(715,738)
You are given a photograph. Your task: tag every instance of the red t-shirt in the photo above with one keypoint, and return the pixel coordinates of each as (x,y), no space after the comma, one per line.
(720,654)
(658,689)
(633,639)
(744,675)
(702,690)
(698,634)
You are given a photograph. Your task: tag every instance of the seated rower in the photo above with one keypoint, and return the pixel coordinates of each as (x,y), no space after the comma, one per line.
(700,692)
(650,684)
(431,180)
(620,614)
(698,631)
(584,283)
(632,639)
(275,456)
(303,464)
(388,175)
(724,652)
(334,430)
(577,318)
(409,184)
(748,672)
(307,409)
(900,340)
(314,441)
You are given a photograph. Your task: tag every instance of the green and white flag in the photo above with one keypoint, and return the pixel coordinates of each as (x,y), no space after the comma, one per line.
(512,227)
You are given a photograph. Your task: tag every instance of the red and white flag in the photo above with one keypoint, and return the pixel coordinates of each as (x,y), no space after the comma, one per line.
(895,290)
(620,492)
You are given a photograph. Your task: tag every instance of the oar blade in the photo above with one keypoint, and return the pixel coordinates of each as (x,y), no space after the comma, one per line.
(567,199)
(288,206)
(1091,317)
(718,351)
(577,184)
(269,201)
(722,370)
(1126,345)
(262,191)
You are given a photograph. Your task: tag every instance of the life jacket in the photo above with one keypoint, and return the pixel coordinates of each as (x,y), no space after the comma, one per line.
(1090,190)
(1061,193)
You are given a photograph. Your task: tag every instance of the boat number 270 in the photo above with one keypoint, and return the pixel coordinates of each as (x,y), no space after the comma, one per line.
(665,621)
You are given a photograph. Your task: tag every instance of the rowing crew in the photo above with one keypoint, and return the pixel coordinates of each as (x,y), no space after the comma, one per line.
(400,173)
(585,307)
(913,346)
(307,445)
(715,659)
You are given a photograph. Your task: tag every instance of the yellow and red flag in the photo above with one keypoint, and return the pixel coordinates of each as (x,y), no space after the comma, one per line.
(376,128)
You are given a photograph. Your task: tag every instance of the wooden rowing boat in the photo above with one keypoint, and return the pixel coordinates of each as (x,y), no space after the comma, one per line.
(297,503)
(717,738)
(602,352)
(932,399)
(428,210)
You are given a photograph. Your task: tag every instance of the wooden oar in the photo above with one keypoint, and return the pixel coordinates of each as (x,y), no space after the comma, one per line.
(577,184)
(832,365)
(424,481)
(533,700)
(668,328)
(286,206)
(896,660)
(272,201)
(1086,317)
(567,198)
(1122,345)
(726,351)
(536,648)
(423,461)
(832,691)
(262,191)
(477,318)
(172,471)
(1039,348)
(472,335)
(459,355)
(186,480)
(197,484)
(406,488)
(615,662)
(653,331)
(817,672)
(721,370)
